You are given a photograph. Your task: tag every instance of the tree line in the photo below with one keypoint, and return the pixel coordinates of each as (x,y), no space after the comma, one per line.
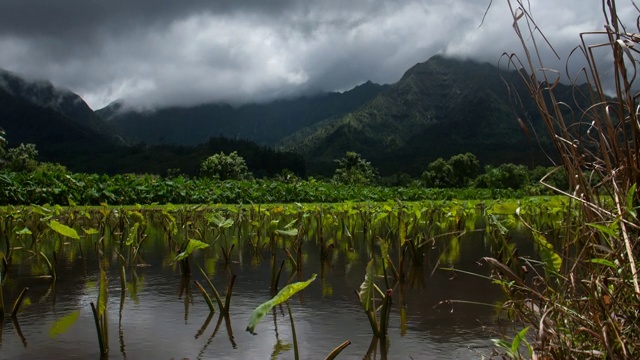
(459,171)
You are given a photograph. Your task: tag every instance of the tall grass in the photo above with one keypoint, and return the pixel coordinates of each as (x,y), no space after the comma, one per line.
(589,304)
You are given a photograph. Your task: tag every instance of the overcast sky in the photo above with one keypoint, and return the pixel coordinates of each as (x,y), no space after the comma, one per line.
(184,52)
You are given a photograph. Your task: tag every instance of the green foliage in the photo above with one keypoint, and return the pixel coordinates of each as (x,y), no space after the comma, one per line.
(354,170)
(282,296)
(21,158)
(3,143)
(63,230)
(505,176)
(439,174)
(512,350)
(90,189)
(225,167)
(465,169)
(192,246)
(459,171)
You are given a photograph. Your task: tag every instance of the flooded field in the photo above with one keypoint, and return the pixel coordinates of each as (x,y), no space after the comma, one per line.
(156,310)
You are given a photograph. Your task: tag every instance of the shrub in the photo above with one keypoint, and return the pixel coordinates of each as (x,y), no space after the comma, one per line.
(505,176)
(354,170)
(225,167)
(22,158)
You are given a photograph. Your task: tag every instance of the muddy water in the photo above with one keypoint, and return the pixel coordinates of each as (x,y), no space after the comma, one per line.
(161,314)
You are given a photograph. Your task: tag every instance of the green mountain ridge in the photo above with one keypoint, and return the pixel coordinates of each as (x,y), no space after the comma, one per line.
(264,124)
(439,108)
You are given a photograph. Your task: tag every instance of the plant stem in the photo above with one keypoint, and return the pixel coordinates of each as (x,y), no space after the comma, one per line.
(293,333)
(16,305)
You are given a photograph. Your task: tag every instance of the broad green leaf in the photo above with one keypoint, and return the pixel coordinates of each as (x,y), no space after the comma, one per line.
(290,232)
(24,231)
(90,231)
(551,259)
(63,230)
(61,326)
(282,296)
(402,233)
(133,233)
(103,294)
(505,208)
(291,289)
(192,246)
(221,222)
(366,288)
(41,210)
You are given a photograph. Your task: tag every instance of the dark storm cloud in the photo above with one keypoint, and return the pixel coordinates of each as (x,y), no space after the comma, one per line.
(161,52)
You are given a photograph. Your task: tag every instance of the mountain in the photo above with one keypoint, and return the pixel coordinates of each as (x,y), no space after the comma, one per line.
(65,130)
(438,108)
(265,124)
(58,121)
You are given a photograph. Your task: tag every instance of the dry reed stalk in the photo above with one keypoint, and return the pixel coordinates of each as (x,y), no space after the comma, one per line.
(591,308)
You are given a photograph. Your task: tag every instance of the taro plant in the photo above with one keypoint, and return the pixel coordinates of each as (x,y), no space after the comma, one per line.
(136,235)
(100,314)
(282,296)
(374,300)
(187,248)
(224,307)
(65,231)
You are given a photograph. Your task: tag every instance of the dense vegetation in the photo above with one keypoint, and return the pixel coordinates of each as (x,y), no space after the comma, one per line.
(226,178)
(58,187)
(264,124)
(586,305)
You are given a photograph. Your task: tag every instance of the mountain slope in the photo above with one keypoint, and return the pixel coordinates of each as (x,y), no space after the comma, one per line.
(263,123)
(439,108)
(58,121)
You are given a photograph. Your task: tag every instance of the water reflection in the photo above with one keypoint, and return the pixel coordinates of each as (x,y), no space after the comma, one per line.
(159,315)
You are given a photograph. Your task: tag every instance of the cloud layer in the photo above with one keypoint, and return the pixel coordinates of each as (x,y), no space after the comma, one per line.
(164,52)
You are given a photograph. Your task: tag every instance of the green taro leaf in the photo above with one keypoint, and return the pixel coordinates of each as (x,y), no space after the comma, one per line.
(290,232)
(90,231)
(551,259)
(132,234)
(192,246)
(63,230)
(103,294)
(367,287)
(282,296)
(24,231)
(61,326)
